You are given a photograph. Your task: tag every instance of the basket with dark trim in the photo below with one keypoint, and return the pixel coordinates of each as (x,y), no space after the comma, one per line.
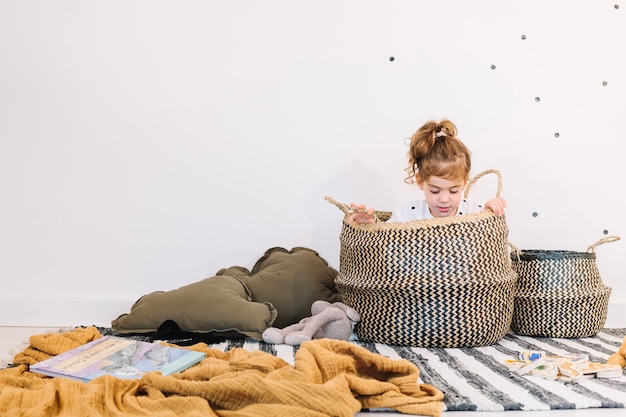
(559,293)
(444,282)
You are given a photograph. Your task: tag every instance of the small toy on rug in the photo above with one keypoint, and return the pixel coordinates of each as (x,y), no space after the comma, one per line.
(332,321)
(619,357)
(568,367)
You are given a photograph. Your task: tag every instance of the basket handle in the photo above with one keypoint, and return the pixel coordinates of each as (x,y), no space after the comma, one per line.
(347,210)
(343,207)
(608,239)
(515,250)
(478,176)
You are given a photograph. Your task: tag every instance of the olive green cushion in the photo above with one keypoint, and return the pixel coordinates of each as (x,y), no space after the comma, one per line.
(217,304)
(291,281)
(277,292)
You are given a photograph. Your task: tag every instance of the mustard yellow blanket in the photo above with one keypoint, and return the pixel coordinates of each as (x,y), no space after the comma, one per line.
(329,378)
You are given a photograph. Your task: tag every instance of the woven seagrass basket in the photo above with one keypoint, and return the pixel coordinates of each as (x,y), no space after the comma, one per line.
(559,293)
(444,282)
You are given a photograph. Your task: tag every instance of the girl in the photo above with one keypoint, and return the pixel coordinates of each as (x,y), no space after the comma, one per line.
(440,165)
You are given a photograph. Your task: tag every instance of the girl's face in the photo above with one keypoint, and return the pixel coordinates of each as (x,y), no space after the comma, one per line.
(442,195)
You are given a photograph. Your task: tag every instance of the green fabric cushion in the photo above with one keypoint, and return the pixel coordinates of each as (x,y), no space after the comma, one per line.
(217,304)
(278,292)
(291,281)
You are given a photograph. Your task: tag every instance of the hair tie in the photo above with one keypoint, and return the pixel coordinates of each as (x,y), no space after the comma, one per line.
(440,134)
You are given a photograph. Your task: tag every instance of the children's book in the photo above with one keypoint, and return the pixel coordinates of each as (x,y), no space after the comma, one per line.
(117,356)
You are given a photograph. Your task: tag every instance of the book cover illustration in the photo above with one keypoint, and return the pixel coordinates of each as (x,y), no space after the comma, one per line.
(119,357)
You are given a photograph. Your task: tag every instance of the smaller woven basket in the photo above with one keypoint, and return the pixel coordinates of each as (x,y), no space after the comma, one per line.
(559,293)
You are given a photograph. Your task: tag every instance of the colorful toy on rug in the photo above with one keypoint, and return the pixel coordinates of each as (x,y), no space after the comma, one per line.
(328,320)
(568,367)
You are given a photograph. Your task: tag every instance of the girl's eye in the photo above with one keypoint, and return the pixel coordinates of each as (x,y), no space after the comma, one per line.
(454,191)
(434,191)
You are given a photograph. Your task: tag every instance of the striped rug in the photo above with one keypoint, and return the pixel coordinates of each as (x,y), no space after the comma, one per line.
(476,379)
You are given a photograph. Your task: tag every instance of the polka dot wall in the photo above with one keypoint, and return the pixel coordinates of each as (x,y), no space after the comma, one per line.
(558,139)
(149,148)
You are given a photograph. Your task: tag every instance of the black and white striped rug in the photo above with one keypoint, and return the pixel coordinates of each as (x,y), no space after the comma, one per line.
(476,379)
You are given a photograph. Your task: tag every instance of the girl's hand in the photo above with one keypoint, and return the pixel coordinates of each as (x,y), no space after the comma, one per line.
(361,217)
(497,205)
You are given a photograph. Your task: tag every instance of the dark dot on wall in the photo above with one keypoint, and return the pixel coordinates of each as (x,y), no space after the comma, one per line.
(535,214)
(391,59)
(523,37)
(556,135)
(493,67)
(537,99)
(606,232)
(616,6)
(604,83)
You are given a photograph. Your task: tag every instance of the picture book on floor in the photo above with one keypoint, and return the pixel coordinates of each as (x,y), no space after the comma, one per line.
(120,357)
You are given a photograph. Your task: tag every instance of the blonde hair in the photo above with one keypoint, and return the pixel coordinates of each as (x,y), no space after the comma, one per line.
(436,150)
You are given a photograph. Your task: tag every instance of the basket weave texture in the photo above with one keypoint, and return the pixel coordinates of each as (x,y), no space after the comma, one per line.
(559,293)
(428,283)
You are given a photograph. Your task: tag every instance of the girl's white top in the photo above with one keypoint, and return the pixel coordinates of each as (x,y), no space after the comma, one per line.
(418,209)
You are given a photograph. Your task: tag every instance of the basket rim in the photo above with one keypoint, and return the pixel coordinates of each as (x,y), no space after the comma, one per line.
(422,223)
(549,254)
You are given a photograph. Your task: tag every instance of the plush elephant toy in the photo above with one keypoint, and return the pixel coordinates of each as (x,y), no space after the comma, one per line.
(333,321)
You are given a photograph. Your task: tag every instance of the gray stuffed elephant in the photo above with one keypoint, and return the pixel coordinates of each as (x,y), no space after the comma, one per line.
(328,320)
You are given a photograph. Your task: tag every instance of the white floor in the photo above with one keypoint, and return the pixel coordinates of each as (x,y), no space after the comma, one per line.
(15,339)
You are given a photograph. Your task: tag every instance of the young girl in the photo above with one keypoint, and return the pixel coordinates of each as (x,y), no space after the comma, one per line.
(440,165)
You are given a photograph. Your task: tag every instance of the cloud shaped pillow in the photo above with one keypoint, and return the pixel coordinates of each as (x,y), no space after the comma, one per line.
(277,292)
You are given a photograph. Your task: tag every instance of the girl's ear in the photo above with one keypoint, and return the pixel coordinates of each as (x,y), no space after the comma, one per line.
(419,181)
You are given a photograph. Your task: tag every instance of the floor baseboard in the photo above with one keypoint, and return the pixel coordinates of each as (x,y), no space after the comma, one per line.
(68,313)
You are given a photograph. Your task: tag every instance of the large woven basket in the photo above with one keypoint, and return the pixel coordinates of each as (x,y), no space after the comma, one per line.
(443,282)
(559,293)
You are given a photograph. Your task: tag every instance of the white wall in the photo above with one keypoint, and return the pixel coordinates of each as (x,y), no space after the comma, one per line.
(146,144)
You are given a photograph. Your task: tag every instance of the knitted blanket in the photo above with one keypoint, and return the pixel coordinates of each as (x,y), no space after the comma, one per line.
(328,378)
